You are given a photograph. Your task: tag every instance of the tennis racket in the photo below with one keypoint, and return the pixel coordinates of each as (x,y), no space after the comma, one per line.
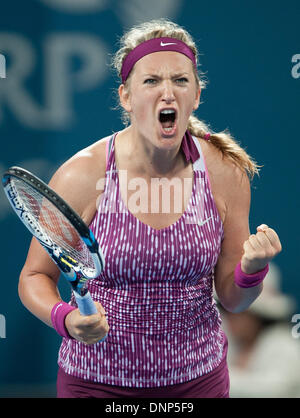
(59,229)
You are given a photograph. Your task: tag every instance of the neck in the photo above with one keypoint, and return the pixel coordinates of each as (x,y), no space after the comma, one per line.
(148,159)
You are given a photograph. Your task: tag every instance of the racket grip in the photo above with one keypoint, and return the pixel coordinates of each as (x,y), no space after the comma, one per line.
(85,304)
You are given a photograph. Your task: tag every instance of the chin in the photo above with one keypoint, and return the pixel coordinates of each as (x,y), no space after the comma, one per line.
(172,138)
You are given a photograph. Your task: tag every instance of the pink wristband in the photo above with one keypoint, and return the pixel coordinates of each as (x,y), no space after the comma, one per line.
(58,314)
(249,280)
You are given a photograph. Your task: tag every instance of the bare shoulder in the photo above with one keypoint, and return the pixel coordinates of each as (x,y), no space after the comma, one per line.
(228,181)
(76,179)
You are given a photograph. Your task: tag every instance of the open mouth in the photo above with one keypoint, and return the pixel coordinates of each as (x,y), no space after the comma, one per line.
(167,118)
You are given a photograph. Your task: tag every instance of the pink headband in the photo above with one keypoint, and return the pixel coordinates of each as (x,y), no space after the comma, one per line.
(155,45)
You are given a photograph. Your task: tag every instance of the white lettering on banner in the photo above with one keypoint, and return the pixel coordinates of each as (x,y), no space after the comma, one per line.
(131,12)
(13,92)
(77,6)
(2,66)
(60,81)
(53,108)
(296,68)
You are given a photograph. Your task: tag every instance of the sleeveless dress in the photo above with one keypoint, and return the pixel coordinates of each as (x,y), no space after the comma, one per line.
(157,291)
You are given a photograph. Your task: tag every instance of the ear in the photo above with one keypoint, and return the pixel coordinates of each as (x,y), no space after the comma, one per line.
(197,99)
(124,98)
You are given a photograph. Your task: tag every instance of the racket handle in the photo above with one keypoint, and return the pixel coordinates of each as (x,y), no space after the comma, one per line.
(85,304)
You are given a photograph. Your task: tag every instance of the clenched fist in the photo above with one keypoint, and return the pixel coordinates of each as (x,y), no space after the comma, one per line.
(87,329)
(260,249)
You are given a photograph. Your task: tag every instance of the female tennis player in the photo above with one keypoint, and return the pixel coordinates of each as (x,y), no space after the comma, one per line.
(168,201)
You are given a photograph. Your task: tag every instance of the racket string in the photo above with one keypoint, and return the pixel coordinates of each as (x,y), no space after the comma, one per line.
(42,214)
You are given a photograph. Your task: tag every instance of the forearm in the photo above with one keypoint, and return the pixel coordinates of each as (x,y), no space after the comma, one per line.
(38,293)
(235,298)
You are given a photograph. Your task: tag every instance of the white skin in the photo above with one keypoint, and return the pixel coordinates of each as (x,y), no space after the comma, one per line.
(158,80)
(158,84)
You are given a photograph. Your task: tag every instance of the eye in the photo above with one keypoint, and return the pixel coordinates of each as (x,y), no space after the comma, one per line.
(181,80)
(150,81)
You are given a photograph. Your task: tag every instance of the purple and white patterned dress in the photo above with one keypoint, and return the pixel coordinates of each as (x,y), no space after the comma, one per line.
(157,291)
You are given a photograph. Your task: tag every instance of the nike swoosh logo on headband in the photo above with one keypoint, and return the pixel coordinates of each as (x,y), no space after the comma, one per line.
(168,43)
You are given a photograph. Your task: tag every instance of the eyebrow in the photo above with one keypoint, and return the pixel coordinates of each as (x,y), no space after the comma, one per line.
(173,76)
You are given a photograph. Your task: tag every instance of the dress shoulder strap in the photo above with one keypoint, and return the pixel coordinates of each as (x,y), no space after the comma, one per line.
(200,164)
(108,148)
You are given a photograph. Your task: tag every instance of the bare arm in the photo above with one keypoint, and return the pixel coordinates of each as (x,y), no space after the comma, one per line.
(38,283)
(254,251)
(236,231)
(75,181)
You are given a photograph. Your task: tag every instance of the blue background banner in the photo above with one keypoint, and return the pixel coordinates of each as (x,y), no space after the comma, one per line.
(59,95)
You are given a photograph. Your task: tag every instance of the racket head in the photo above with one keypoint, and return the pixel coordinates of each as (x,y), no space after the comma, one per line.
(59,229)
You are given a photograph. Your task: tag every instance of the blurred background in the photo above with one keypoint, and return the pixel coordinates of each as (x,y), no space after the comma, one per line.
(59,96)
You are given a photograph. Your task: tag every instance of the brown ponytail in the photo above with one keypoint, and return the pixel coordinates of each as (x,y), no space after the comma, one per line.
(163,27)
(226,144)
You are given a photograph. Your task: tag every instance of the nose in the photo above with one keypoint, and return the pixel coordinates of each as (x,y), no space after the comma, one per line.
(168,93)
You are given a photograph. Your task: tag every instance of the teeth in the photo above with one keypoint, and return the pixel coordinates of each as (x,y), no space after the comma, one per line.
(167,111)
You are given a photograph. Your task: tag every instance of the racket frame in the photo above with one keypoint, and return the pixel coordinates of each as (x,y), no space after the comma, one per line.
(71,269)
